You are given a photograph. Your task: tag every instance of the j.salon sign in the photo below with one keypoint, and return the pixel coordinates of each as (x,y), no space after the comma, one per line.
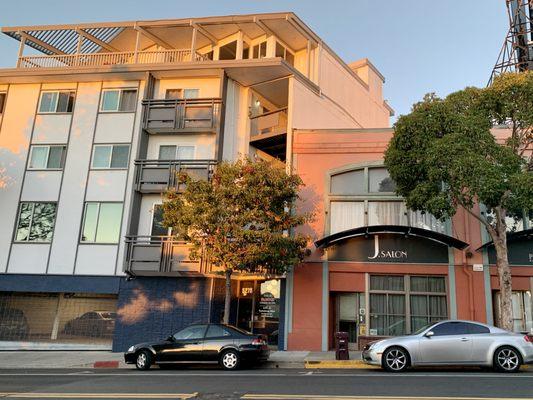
(388,254)
(389,248)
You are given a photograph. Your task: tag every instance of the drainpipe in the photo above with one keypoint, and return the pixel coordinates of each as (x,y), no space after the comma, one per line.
(467,271)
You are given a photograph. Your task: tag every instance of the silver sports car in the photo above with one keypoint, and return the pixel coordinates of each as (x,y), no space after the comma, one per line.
(453,343)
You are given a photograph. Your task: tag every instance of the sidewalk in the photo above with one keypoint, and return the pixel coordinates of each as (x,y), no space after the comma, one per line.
(105,359)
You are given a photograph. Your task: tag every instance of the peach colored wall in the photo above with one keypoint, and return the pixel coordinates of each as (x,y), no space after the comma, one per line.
(307,308)
(346,281)
(353,95)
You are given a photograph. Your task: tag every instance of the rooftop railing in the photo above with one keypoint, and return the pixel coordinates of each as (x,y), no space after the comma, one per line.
(108,58)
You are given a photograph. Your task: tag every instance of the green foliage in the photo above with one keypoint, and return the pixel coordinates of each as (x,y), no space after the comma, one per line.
(240,218)
(443,154)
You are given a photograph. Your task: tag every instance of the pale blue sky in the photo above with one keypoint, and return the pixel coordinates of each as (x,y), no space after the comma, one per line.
(420,46)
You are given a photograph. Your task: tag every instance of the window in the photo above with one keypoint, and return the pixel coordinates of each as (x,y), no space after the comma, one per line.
(123,100)
(427,300)
(110,156)
(173,152)
(215,331)
(101,222)
(47,157)
(366,197)
(522,306)
(475,329)
(3,97)
(36,222)
(182,93)
(158,229)
(259,50)
(56,102)
(451,328)
(191,332)
(228,51)
(401,304)
(282,52)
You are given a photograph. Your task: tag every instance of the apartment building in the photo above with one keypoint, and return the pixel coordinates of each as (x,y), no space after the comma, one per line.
(97,119)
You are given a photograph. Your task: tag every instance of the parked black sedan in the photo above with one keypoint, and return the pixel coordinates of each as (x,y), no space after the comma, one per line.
(227,345)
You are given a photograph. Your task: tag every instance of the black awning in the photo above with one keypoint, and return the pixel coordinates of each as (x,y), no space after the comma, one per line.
(401,230)
(511,237)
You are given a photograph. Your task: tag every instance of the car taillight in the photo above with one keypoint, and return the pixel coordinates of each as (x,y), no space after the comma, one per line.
(258,342)
(528,338)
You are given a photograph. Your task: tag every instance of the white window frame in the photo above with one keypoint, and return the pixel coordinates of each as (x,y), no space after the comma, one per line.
(84,217)
(177,150)
(33,146)
(120,90)
(152,212)
(112,145)
(57,101)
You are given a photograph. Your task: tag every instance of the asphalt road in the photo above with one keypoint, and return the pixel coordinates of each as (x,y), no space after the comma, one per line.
(261,384)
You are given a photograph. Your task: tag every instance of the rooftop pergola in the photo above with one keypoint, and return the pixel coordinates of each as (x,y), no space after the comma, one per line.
(188,34)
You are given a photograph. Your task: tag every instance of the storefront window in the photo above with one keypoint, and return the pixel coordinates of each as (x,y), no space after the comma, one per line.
(259,307)
(403,304)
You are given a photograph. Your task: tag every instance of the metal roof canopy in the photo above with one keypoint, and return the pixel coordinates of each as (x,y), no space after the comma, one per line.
(511,237)
(64,39)
(397,229)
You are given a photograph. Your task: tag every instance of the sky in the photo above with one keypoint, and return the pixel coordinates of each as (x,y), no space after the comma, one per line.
(420,46)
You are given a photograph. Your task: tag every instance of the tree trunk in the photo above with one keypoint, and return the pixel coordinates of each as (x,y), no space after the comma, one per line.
(504,271)
(227,300)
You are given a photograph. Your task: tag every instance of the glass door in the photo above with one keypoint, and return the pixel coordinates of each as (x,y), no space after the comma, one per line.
(350,314)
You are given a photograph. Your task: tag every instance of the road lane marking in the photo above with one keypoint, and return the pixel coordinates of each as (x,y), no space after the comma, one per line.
(31,395)
(303,375)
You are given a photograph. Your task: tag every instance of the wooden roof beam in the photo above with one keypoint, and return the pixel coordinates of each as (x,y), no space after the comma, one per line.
(99,42)
(157,40)
(39,42)
(205,33)
(262,25)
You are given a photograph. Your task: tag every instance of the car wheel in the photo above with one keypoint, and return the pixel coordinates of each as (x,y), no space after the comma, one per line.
(507,359)
(144,360)
(230,360)
(395,359)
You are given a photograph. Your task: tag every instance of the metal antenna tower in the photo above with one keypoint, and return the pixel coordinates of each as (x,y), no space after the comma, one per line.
(516,54)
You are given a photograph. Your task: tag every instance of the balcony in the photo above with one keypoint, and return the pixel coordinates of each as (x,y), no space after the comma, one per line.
(158,176)
(181,115)
(161,255)
(108,58)
(269,132)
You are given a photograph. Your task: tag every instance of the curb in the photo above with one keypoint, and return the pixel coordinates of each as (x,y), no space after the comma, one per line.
(339,364)
(106,364)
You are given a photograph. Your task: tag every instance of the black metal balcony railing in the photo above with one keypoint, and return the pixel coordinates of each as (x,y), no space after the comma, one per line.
(157,176)
(181,115)
(160,255)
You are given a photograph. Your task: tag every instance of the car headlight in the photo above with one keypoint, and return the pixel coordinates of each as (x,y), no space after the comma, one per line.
(131,349)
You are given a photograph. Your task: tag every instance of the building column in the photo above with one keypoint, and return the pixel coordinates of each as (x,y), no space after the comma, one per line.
(325,304)
(287,328)
(451,283)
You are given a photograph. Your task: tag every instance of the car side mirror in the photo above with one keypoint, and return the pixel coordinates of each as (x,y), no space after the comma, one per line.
(429,334)
(170,338)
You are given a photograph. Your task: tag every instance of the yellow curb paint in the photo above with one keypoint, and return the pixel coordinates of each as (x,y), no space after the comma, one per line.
(339,364)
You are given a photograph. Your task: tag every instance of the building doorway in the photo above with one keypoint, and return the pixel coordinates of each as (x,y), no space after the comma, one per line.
(258,308)
(350,312)
(522,303)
